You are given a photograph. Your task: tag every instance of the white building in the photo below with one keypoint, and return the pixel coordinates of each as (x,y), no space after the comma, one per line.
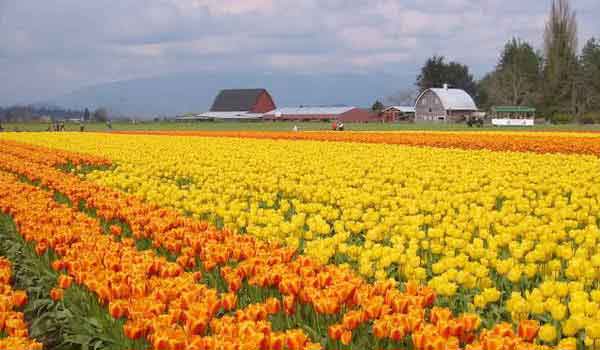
(444,104)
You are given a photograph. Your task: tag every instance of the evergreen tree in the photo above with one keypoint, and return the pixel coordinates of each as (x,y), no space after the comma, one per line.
(590,76)
(377,106)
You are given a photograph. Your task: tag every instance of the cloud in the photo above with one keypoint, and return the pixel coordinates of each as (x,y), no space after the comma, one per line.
(49,48)
(226,7)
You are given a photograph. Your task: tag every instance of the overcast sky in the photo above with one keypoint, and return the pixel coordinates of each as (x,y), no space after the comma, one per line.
(48,48)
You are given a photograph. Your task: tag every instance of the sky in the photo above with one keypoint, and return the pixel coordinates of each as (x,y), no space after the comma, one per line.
(49,48)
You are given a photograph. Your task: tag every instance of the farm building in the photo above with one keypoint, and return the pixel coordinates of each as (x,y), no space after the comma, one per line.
(240,104)
(398,113)
(344,114)
(444,104)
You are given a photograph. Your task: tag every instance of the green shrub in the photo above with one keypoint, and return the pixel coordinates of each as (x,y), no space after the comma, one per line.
(562,118)
(590,118)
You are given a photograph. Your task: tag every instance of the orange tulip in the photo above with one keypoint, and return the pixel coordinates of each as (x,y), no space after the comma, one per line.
(19,298)
(161,343)
(346,338)
(335,331)
(528,330)
(397,333)
(118,309)
(64,281)
(380,329)
(276,342)
(115,230)
(504,330)
(470,322)
(352,319)
(439,314)
(133,330)
(289,304)
(273,306)
(57,294)
(229,301)
(295,340)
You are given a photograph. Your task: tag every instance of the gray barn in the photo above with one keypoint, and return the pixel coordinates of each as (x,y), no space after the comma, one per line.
(444,105)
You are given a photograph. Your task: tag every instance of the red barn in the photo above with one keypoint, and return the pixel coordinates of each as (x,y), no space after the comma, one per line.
(243,100)
(238,104)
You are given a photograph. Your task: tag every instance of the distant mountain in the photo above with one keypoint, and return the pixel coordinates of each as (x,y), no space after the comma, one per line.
(194,92)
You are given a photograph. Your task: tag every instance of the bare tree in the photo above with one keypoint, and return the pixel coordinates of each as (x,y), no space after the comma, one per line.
(404,97)
(101,114)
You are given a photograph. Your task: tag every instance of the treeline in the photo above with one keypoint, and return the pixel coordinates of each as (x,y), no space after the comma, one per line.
(32,113)
(17,114)
(562,83)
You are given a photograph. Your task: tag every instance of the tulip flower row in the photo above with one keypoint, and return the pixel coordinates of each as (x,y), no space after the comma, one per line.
(54,158)
(326,288)
(160,301)
(330,290)
(12,322)
(557,142)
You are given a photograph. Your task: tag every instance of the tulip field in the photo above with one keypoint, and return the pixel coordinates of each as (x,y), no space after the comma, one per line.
(309,240)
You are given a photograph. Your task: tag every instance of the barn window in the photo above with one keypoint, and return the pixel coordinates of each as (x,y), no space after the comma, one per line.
(424,101)
(430,110)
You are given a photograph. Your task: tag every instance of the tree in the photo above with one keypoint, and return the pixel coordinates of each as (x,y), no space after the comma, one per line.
(590,76)
(436,72)
(486,88)
(101,114)
(560,46)
(516,78)
(86,115)
(377,106)
(519,73)
(405,97)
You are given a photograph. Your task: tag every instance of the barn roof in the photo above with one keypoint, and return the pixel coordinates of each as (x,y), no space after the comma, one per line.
(454,99)
(235,100)
(230,115)
(403,109)
(310,111)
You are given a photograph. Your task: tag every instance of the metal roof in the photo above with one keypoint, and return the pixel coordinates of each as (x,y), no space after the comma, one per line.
(230,115)
(236,100)
(191,117)
(513,109)
(403,109)
(453,99)
(310,111)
